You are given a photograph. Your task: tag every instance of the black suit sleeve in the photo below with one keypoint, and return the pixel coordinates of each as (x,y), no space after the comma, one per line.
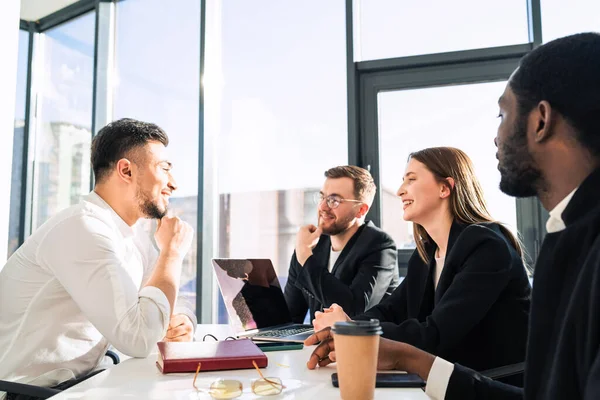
(480,279)
(592,385)
(466,384)
(296,302)
(372,279)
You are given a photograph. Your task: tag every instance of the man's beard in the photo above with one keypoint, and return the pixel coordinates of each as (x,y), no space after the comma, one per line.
(339,226)
(519,176)
(148,207)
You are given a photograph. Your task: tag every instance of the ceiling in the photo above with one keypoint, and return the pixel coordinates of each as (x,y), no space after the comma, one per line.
(33,10)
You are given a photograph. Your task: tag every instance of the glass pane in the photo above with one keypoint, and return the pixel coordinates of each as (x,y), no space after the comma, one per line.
(63,135)
(19,137)
(157,65)
(392,28)
(280,119)
(457,116)
(561,19)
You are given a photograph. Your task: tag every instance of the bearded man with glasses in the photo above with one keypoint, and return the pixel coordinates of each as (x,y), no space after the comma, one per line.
(344,259)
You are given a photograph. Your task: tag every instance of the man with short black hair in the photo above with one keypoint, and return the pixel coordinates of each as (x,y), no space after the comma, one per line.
(345,259)
(86,279)
(548,146)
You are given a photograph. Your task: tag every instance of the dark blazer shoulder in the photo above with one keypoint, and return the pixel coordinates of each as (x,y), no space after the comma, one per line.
(373,235)
(484,230)
(464,239)
(484,240)
(474,235)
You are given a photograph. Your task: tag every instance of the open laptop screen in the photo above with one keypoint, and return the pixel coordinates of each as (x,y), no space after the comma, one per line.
(252,293)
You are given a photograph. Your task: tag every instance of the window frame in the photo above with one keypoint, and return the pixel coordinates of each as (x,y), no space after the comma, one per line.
(364,81)
(369,78)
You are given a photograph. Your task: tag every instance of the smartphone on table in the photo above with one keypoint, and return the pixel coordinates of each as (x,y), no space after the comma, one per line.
(391,380)
(279,346)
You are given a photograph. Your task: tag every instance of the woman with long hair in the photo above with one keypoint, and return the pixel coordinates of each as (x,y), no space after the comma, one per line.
(466,294)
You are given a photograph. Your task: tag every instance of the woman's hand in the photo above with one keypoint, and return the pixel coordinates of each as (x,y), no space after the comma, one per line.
(328,317)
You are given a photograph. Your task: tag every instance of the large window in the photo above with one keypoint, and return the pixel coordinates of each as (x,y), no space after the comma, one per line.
(392,28)
(274,113)
(63,132)
(560,18)
(157,80)
(458,116)
(18,143)
(281,121)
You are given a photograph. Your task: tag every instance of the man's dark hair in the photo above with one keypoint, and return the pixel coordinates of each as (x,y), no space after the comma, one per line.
(566,73)
(364,185)
(117,139)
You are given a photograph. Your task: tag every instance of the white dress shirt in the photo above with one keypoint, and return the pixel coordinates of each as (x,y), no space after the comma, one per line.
(441,370)
(555,223)
(74,287)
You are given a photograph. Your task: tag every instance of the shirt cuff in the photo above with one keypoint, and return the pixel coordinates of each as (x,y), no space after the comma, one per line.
(439,376)
(160,299)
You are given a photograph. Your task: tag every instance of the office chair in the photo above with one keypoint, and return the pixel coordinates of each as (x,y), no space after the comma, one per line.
(38,391)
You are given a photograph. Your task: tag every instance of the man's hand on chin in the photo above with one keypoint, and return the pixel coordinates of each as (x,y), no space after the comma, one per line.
(180,329)
(306,240)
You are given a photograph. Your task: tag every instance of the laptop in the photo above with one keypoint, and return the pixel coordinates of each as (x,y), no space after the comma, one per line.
(254,301)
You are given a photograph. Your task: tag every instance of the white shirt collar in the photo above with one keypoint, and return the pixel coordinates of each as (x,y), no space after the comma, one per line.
(126,230)
(555,223)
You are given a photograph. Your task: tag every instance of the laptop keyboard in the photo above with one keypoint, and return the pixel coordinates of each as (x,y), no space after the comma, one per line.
(283,332)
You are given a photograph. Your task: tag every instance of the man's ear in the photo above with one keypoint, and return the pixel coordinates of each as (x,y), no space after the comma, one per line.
(542,118)
(363,210)
(124,169)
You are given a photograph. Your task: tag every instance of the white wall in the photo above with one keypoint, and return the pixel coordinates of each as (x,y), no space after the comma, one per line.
(9,39)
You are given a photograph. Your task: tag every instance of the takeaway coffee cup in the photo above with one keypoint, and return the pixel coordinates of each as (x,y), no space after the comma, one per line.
(356,350)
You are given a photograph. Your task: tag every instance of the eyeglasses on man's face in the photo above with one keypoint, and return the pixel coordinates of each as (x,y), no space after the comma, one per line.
(232,388)
(333,201)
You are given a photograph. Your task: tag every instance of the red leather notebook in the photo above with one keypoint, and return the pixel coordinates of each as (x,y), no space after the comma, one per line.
(214,356)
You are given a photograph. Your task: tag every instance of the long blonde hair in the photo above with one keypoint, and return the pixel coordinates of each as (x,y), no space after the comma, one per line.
(467,204)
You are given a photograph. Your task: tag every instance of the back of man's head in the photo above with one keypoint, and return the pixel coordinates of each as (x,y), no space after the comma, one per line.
(364,185)
(118,140)
(566,73)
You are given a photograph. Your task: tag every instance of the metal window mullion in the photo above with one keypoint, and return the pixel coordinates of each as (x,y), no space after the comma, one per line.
(66,14)
(352,88)
(530,213)
(206,226)
(534,22)
(369,139)
(26,167)
(34,126)
(463,57)
(441,75)
(104,68)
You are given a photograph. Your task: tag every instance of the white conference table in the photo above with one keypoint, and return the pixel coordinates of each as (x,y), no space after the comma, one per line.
(139,378)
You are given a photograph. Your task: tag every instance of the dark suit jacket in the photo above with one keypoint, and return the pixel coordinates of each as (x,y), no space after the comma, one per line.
(563,350)
(364,273)
(477,315)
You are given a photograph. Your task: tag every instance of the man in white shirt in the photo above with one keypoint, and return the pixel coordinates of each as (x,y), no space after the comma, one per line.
(548,146)
(85,279)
